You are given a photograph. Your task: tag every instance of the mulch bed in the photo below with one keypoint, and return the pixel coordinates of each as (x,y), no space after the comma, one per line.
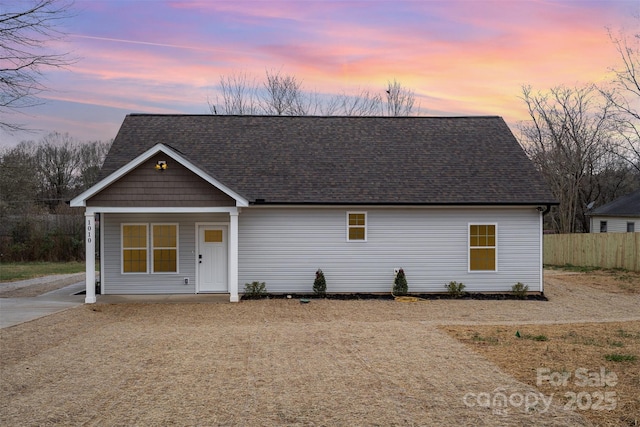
(430,296)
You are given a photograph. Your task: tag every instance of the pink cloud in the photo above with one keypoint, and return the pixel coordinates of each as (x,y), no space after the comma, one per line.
(459,57)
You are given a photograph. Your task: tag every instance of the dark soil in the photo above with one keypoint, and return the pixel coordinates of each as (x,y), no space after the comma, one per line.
(430,296)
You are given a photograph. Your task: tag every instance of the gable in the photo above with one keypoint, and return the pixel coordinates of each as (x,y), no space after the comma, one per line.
(180,188)
(145,186)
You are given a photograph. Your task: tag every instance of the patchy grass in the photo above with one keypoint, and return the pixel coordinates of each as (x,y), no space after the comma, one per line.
(12,271)
(579,352)
(487,340)
(620,357)
(535,337)
(574,268)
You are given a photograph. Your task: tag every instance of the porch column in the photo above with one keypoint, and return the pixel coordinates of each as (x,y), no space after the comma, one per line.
(233,256)
(90,257)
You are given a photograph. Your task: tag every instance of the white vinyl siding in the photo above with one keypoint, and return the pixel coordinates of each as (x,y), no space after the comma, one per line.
(614,224)
(284,247)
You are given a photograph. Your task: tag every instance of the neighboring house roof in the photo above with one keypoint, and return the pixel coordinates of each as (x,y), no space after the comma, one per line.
(628,205)
(344,160)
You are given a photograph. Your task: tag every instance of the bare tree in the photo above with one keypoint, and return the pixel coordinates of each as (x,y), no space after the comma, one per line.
(58,166)
(26,30)
(400,100)
(283,95)
(567,138)
(47,173)
(239,95)
(91,156)
(363,103)
(625,97)
(18,182)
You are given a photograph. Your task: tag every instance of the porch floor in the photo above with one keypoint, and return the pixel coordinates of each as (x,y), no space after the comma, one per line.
(160,299)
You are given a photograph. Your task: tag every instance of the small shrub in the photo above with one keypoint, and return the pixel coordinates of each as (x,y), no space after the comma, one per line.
(455,289)
(400,286)
(320,284)
(519,290)
(620,357)
(255,289)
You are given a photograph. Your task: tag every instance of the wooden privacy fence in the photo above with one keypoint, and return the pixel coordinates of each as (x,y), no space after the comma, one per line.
(606,250)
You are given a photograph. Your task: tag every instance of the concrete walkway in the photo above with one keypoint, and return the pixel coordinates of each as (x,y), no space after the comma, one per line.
(14,311)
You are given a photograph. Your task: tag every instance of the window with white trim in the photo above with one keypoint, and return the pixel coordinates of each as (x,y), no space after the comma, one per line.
(482,247)
(136,241)
(631,227)
(134,248)
(164,238)
(356,226)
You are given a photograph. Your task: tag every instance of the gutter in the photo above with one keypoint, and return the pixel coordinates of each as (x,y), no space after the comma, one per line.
(263,202)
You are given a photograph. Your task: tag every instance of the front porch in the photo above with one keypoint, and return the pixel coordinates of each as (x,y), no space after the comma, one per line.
(196,272)
(161,217)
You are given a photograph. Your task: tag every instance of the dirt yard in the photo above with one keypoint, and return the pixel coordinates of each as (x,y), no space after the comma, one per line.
(279,362)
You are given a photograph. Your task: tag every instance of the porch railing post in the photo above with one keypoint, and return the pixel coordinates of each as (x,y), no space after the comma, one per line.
(233,257)
(90,257)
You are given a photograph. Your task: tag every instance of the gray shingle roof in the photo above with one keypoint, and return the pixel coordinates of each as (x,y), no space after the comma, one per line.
(628,205)
(345,160)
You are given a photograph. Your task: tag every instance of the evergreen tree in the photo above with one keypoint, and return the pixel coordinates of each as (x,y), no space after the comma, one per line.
(320,284)
(400,286)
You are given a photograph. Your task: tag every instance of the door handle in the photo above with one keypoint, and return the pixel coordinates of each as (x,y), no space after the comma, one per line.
(200,259)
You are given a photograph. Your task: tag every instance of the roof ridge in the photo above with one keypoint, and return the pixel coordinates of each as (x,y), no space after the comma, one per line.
(485,116)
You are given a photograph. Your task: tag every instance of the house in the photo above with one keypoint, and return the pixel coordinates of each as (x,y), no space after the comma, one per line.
(205,204)
(618,216)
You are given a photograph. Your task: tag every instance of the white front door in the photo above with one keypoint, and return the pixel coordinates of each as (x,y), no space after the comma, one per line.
(212,258)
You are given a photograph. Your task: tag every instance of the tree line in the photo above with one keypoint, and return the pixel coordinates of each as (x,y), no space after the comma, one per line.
(284,94)
(585,139)
(37,179)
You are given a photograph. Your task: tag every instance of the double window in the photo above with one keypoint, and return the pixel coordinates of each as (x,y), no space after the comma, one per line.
(482,247)
(136,241)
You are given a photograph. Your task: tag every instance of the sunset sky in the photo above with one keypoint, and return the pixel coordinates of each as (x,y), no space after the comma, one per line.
(460,57)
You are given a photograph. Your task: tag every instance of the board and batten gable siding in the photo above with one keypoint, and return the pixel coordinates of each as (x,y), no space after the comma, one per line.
(285,246)
(174,187)
(114,282)
(614,224)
